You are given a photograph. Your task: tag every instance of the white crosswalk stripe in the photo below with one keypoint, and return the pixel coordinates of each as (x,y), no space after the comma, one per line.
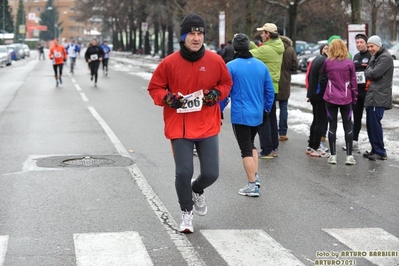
(371,241)
(236,247)
(249,247)
(3,248)
(104,249)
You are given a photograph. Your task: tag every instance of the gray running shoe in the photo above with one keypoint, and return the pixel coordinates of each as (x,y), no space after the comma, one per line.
(200,207)
(249,191)
(186,224)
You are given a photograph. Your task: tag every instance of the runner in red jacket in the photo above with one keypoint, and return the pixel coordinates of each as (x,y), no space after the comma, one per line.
(59,56)
(188,85)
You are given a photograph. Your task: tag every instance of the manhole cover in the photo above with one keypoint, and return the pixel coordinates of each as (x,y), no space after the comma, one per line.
(84,161)
(88,161)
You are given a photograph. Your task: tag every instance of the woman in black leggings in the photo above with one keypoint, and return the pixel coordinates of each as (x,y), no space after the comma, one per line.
(341,92)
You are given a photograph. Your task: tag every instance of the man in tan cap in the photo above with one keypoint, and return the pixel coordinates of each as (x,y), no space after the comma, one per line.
(270,53)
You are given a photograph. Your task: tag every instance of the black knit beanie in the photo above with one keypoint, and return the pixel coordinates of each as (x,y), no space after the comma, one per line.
(192,22)
(241,42)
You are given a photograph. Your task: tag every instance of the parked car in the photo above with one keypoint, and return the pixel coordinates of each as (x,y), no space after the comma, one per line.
(26,50)
(9,58)
(12,52)
(394,51)
(3,56)
(304,60)
(18,51)
(301,46)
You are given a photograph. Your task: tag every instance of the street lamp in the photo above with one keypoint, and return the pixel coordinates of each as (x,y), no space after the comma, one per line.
(55,22)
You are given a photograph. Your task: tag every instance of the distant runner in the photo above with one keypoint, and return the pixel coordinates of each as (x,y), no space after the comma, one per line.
(59,56)
(107,51)
(94,54)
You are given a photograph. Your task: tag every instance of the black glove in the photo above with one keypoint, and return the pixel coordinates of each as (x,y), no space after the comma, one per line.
(174,101)
(64,59)
(211,97)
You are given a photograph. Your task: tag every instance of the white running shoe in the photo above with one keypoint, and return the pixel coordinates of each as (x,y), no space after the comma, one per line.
(350,160)
(332,159)
(186,224)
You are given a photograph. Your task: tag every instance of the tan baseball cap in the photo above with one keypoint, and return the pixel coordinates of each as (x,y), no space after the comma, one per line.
(270,27)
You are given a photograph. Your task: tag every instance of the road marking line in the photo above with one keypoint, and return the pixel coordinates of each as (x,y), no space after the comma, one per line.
(368,239)
(78,87)
(249,247)
(103,249)
(84,98)
(3,248)
(182,243)
(73,80)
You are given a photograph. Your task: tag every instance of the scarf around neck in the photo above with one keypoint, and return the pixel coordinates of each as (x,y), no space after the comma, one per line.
(191,56)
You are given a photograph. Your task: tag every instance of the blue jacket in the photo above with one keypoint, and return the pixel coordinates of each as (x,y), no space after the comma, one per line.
(252,92)
(106,49)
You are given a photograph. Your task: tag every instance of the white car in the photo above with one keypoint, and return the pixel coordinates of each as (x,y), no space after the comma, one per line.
(394,51)
(26,50)
(4,56)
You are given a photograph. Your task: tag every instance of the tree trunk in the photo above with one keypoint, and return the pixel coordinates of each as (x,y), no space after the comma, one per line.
(355,5)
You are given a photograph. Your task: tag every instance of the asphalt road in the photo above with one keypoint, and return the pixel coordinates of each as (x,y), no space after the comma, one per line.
(115,214)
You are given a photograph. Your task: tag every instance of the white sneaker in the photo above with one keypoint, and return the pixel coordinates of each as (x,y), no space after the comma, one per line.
(186,224)
(332,159)
(350,160)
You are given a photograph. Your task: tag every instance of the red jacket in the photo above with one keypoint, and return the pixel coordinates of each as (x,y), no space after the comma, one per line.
(180,75)
(57,54)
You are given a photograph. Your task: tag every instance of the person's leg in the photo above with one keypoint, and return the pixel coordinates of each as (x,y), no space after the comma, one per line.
(320,121)
(60,67)
(369,119)
(243,137)
(96,65)
(283,118)
(332,112)
(346,115)
(263,136)
(208,154)
(55,72)
(55,68)
(274,128)
(357,116)
(312,126)
(376,136)
(184,170)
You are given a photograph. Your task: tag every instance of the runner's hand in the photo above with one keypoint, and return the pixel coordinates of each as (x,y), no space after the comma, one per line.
(211,97)
(174,101)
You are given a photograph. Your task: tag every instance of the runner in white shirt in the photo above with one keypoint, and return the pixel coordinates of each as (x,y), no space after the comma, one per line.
(72,50)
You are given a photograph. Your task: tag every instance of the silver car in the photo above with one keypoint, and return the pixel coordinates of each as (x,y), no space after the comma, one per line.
(4,56)
(26,50)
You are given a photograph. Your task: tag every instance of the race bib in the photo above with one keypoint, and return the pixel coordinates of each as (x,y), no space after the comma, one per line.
(57,54)
(194,102)
(94,57)
(360,78)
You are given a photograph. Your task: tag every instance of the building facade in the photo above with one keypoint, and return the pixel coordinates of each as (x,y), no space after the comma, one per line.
(67,14)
